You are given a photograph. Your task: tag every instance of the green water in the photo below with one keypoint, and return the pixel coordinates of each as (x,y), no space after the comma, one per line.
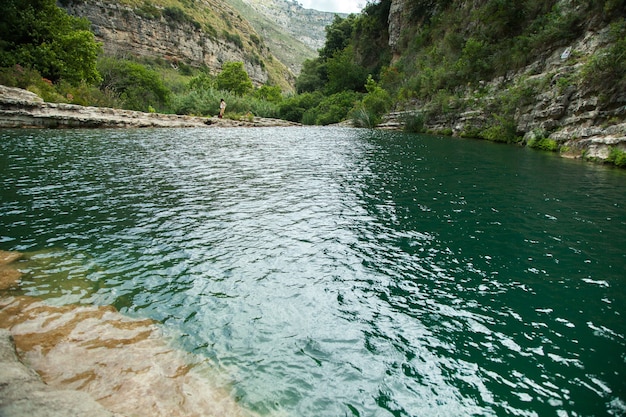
(340,272)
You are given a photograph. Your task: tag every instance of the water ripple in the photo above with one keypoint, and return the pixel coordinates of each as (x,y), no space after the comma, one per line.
(339,271)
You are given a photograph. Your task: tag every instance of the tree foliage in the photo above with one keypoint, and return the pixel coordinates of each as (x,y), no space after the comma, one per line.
(344,74)
(137,86)
(338,36)
(234,78)
(37,34)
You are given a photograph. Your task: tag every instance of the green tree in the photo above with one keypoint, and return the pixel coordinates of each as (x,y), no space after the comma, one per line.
(293,108)
(370,37)
(344,73)
(332,109)
(234,78)
(338,36)
(139,87)
(375,104)
(312,77)
(37,34)
(269,93)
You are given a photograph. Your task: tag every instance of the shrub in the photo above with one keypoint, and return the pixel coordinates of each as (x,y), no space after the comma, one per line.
(607,69)
(544,144)
(234,78)
(331,109)
(501,129)
(293,108)
(42,36)
(233,38)
(413,122)
(176,16)
(137,86)
(269,93)
(148,11)
(617,157)
(377,100)
(361,117)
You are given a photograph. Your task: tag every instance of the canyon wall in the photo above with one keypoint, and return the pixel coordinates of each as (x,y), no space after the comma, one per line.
(582,121)
(125,33)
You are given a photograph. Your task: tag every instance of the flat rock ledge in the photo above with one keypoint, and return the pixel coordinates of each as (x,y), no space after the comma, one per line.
(24,394)
(23,109)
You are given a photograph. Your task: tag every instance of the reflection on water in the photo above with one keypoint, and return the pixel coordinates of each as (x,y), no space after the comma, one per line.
(338,271)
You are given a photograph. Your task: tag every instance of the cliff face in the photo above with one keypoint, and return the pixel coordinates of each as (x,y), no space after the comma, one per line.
(397,20)
(293,33)
(124,32)
(306,25)
(583,121)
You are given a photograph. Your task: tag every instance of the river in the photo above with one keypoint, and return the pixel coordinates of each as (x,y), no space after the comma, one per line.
(337,271)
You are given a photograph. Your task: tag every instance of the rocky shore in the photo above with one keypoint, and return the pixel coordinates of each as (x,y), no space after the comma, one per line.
(22,391)
(23,109)
(89,360)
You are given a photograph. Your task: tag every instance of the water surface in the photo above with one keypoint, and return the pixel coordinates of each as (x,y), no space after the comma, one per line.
(339,272)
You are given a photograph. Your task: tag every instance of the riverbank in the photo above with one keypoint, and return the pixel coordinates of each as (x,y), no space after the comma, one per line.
(23,109)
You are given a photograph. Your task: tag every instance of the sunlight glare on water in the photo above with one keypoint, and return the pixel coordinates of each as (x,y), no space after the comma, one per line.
(339,271)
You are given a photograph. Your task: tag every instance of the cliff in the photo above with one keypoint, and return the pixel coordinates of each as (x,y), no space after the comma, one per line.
(209,35)
(549,97)
(293,33)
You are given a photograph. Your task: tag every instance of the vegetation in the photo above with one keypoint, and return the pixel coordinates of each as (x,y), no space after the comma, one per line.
(447,51)
(45,50)
(617,157)
(234,78)
(136,86)
(544,144)
(607,71)
(38,35)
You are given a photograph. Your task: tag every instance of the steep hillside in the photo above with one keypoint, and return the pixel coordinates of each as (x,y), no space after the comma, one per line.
(198,33)
(292,32)
(550,74)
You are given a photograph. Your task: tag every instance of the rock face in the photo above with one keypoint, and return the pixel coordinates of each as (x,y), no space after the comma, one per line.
(584,123)
(123,32)
(293,33)
(306,25)
(397,14)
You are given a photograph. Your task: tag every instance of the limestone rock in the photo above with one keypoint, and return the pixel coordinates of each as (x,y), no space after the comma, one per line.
(24,394)
(125,33)
(23,109)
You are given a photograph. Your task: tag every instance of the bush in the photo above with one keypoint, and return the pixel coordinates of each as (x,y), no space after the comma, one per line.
(44,37)
(413,122)
(332,109)
(362,118)
(269,93)
(233,38)
(137,86)
(234,78)
(607,69)
(377,100)
(148,11)
(205,102)
(617,157)
(501,129)
(544,144)
(293,108)
(176,16)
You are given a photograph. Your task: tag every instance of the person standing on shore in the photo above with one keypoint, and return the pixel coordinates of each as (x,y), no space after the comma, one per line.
(222,108)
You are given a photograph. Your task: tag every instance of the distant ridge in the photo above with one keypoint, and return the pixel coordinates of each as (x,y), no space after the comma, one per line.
(292,32)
